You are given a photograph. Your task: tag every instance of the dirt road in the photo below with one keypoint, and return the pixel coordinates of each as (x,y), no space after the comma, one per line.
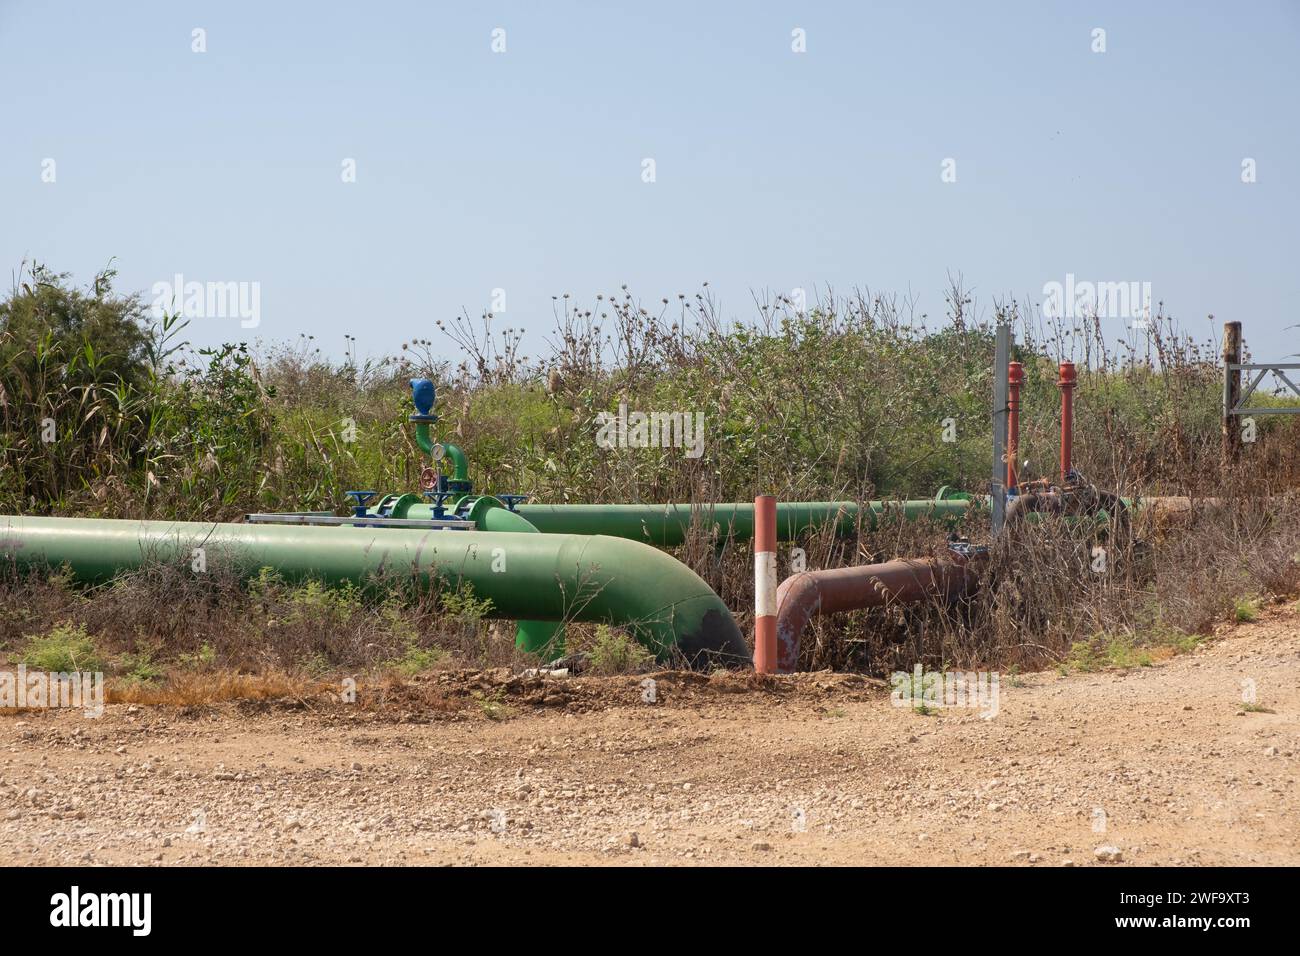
(1163,763)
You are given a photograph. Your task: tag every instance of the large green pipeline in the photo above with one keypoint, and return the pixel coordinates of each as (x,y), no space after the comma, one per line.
(527,576)
(488,514)
(537,637)
(666,526)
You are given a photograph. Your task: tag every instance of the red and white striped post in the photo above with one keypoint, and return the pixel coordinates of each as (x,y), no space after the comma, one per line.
(765,584)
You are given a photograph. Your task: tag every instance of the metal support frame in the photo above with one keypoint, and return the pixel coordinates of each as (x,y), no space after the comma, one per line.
(1277,368)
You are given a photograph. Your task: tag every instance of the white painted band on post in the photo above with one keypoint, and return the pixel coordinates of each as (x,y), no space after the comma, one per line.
(765,584)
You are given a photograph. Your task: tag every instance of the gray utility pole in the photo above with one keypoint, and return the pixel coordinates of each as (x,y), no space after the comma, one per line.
(998,487)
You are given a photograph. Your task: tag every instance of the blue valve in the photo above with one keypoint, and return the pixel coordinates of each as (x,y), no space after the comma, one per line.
(438,497)
(424,396)
(362,497)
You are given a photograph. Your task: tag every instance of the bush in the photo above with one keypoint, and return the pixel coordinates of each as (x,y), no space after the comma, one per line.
(63,649)
(141,667)
(1108,650)
(417,660)
(1246,610)
(613,651)
(846,400)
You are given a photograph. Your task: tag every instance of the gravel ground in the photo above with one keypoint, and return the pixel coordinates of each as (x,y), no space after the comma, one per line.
(1159,765)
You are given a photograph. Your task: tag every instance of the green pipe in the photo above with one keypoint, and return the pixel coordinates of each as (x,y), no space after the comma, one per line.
(460,464)
(527,576)
(536,637)
(667,525)
(423,439)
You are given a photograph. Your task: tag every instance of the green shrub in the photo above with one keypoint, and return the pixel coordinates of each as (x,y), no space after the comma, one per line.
(204,657)
(141,667)
(416,660)
(323,604)
(493,706)
(616,652)
(461,604)
(63,649)
(1246,609)
(1107,650)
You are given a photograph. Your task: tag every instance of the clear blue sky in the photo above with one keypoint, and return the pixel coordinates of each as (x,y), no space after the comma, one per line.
(774,170)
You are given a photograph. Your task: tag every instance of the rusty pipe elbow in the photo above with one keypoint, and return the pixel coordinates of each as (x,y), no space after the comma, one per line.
(906,580)
(798,600)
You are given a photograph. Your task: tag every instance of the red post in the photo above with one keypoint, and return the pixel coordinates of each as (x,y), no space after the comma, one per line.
(1015,378)
(765,584)
(1066,384)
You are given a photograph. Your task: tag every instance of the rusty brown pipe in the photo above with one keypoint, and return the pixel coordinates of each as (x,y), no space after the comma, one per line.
(902,581)
(1069,378)
(1015,378)
(1041,501)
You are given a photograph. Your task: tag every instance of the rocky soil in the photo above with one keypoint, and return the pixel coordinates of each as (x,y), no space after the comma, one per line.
(1159,765)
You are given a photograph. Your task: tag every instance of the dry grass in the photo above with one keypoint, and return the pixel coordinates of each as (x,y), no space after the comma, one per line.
(164,632)
(184,689)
